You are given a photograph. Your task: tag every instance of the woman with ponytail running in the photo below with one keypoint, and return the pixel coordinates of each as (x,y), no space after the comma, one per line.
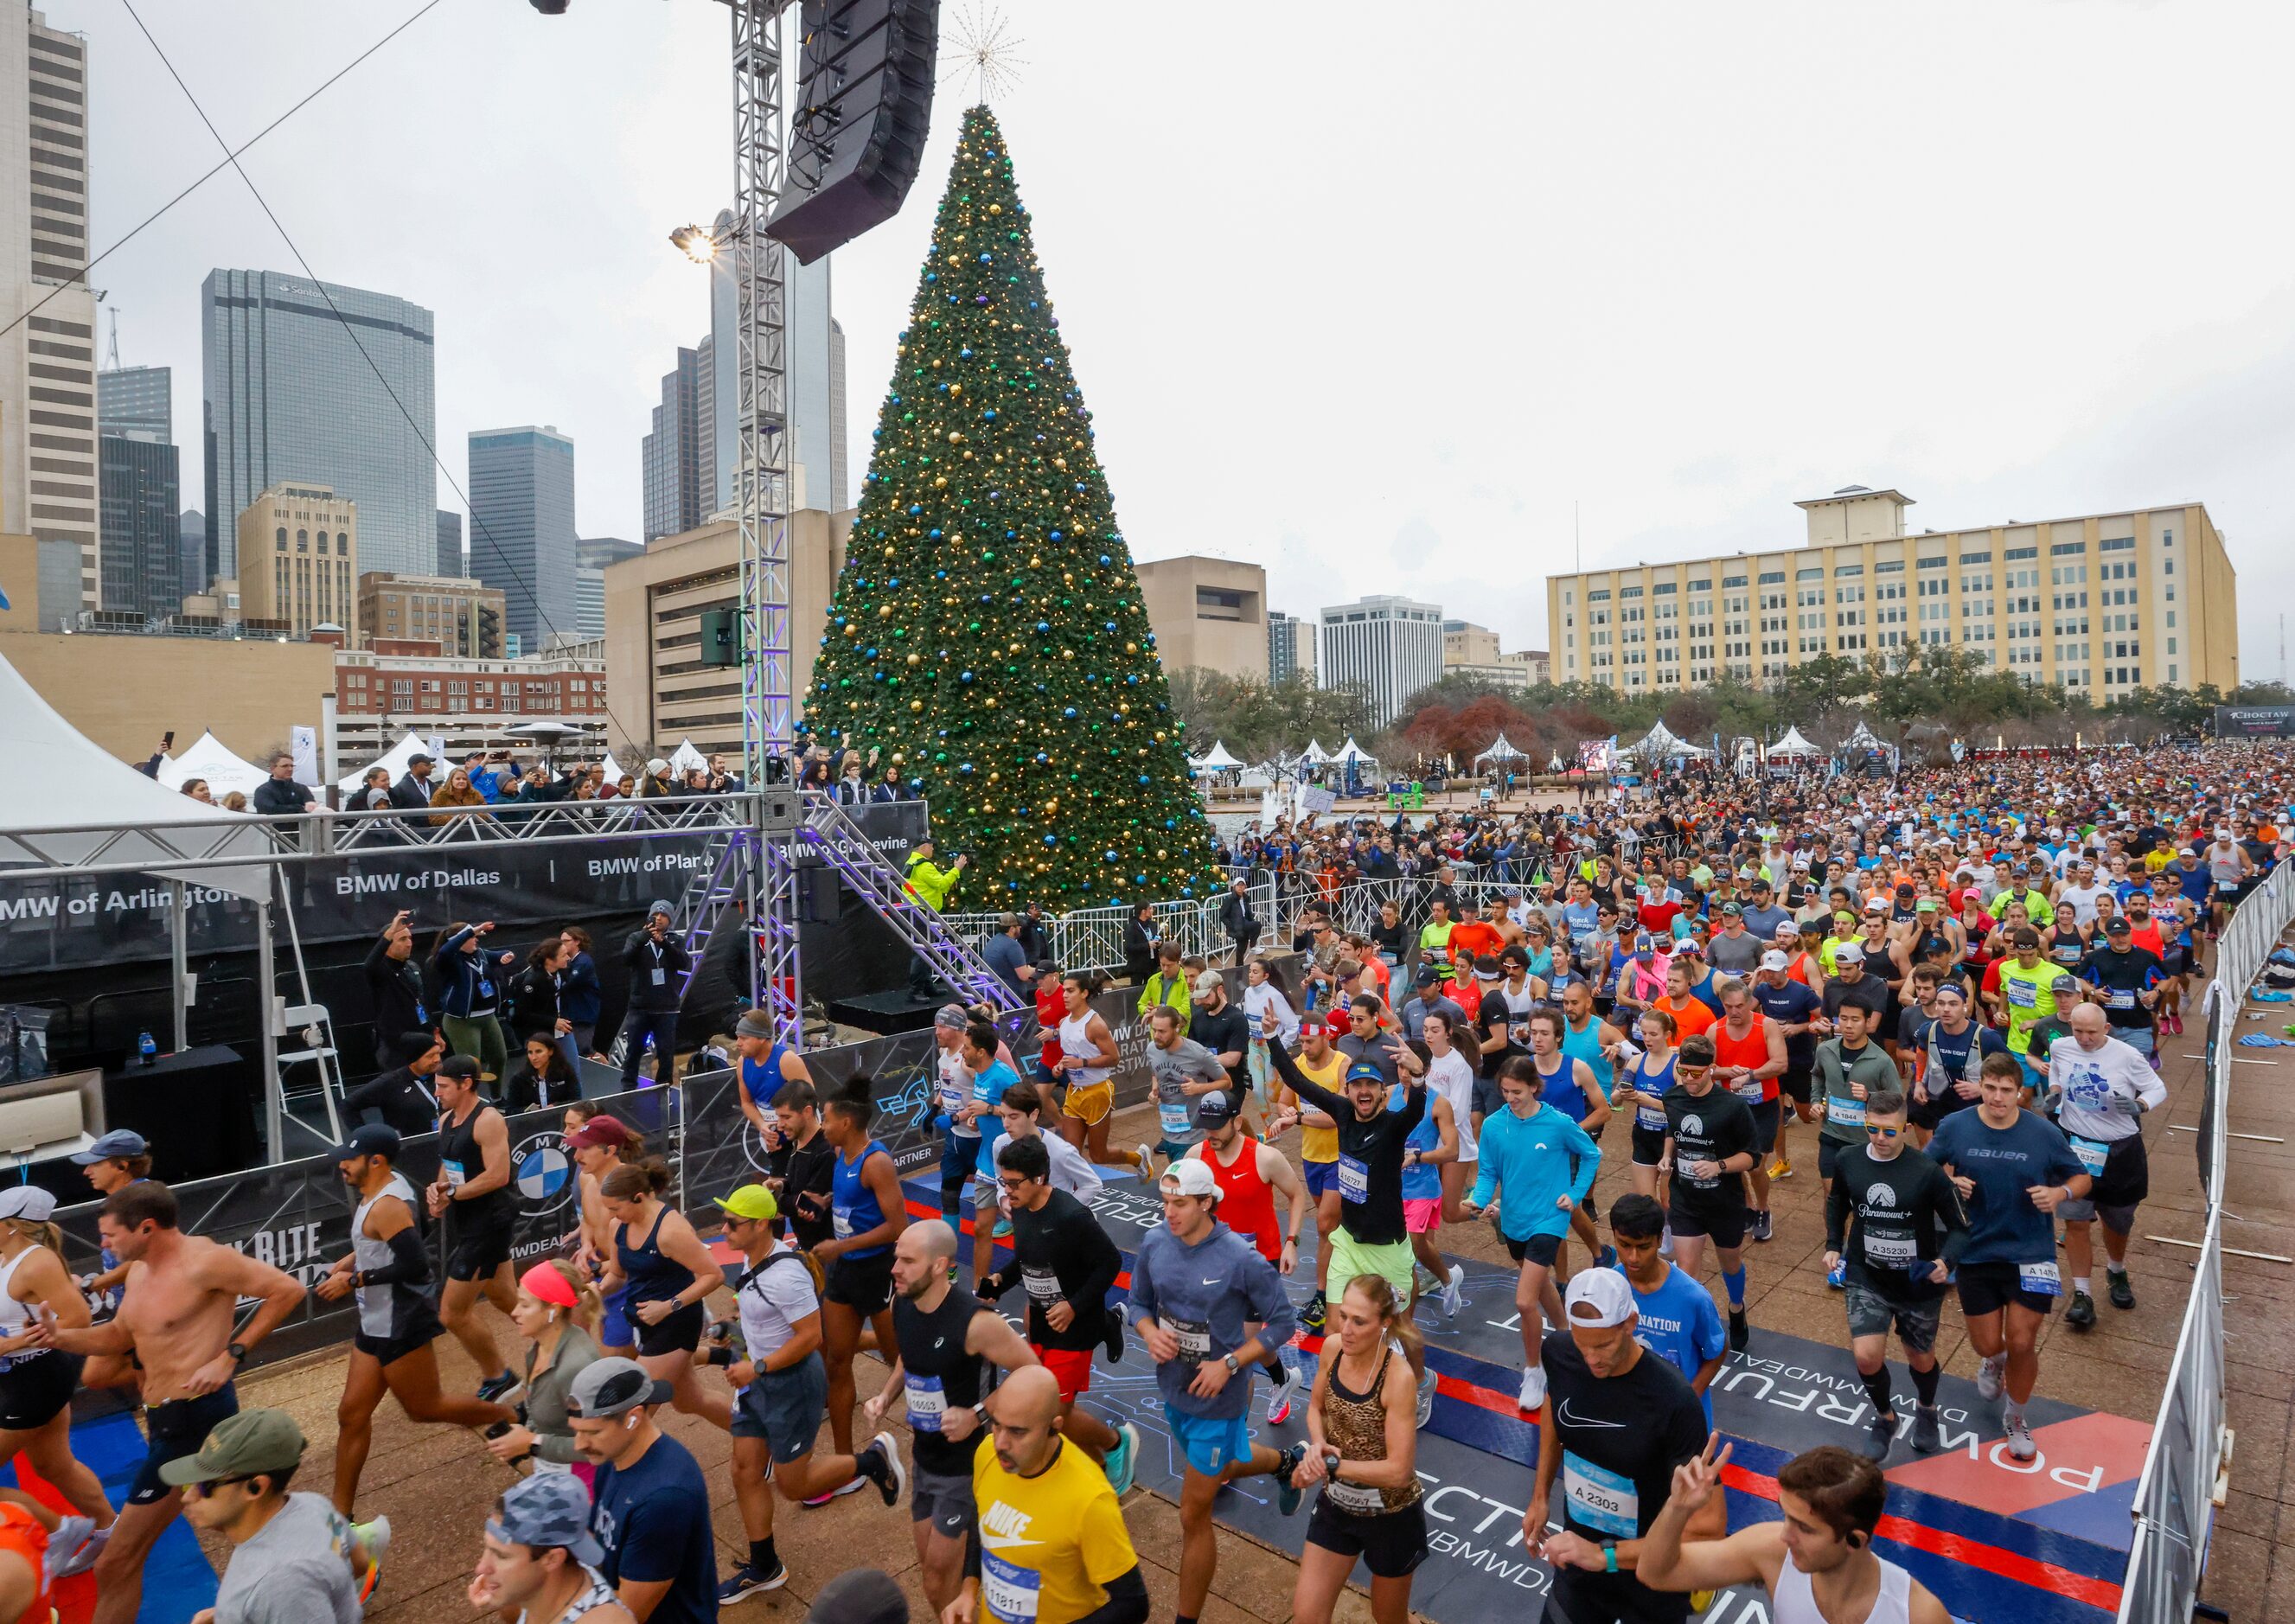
(670,1275)
(1362,1442)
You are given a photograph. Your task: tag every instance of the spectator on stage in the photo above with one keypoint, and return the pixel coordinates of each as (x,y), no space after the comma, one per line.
(457,795)
(413,792)
(395,985)
(280,796)
(1007,956)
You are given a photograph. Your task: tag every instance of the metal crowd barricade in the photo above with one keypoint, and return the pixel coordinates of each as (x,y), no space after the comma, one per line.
(2185,1466)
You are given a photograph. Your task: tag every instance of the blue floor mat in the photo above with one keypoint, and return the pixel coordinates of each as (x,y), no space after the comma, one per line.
(178,1580)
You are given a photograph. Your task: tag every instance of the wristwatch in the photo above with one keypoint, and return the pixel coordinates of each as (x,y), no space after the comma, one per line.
(1229,1361)
(238,1351)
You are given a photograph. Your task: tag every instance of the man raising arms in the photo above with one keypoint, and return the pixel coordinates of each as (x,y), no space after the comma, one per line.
(175,1321)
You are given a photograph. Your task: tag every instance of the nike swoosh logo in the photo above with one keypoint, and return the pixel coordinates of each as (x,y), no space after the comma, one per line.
(1576,1420)
(1210,1282)
(1004,1542)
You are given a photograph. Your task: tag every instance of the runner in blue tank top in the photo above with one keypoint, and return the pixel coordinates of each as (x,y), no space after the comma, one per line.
(1580,1037)
(868,1213)
(767,1062)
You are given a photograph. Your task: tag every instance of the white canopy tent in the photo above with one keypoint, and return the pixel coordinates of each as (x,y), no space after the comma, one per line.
(1862,739)
(1314,755)
(1501,751)
(1794,745)
(1661,744)
(1352,752)
(207,758)
(1216,760)
(615,772)
(686,759)
(404,751)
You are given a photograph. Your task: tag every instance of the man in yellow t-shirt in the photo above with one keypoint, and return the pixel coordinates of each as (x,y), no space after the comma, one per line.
(1318,1139)
(1052,1548)
(2029,987)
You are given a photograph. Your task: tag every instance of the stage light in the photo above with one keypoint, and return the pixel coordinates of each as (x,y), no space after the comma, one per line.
(695,243)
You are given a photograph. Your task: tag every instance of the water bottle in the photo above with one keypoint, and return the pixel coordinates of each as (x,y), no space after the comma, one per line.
(145,1049)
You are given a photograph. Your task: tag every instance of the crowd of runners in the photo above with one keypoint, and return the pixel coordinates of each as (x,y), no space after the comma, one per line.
(1939,995)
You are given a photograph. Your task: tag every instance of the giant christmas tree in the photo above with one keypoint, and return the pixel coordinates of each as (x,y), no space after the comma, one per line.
(987,633)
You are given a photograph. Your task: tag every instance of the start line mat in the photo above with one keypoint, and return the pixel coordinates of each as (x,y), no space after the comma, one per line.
(1994,1539)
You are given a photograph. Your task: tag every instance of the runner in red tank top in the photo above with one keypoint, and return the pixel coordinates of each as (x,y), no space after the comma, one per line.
(1749,1057)
(1250,1174)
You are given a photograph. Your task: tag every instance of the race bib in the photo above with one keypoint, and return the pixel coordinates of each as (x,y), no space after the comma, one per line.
(2040,1279)
(2023,995)
(840,1221)
(1844,1113)
(660,977)
(1011,1592)
(1042,1284)
(927,1403)
(1359,1498)
(1749,1089)
(2092,1153)
(1888,1248)
(2117,999)
(1603,1500)
(1649,1117)
(451,1171)
(1175,1117)
(1194,1337)
(486,989)
(1354,1180)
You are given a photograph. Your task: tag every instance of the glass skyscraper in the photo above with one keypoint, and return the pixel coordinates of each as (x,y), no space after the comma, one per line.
(138,400)
(290,396)
(522,528)
(142,541)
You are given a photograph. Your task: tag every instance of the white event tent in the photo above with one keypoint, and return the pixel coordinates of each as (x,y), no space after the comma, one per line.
(405,750)
(209,759)
(1500,751)
(1216,760)
(1793,744)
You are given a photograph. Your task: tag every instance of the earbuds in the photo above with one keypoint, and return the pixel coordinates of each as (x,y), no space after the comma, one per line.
(1858,1540)
(630,1422)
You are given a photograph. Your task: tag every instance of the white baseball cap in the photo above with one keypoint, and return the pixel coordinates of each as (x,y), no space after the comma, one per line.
(1190,1175)
(1774,961)
(1597,1298)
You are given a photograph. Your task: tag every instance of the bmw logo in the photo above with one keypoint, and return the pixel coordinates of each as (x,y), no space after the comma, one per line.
(542,1172)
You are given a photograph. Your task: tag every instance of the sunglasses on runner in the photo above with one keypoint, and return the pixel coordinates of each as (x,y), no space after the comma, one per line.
(1886,1133)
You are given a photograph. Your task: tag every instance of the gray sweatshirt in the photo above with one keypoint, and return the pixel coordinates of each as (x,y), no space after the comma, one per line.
(1204,1294)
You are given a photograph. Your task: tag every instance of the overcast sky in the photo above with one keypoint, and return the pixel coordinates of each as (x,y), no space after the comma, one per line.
(1373,307)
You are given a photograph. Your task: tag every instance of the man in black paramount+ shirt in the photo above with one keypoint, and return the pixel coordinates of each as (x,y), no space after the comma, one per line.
(1897,1220)
(1710,1144)
(1617,1420)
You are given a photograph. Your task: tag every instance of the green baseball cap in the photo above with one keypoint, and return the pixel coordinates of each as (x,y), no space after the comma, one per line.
(251,1441)
(753,1202)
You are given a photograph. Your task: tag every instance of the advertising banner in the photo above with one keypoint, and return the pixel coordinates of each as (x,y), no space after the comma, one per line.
(48,925)
(2255,721)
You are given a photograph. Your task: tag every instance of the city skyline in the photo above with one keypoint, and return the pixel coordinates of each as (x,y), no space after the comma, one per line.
(1675,403)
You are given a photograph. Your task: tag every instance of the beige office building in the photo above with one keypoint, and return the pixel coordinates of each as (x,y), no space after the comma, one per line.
(1208,613)
(2103,603)
(661,691)
(48,476)
(461,615)
(298,559)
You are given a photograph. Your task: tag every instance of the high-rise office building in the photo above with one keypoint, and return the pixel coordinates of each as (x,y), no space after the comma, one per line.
(1290,647)
(192,528)
(450,561)
(1207,614)
(298,549)
(522,527)
(48,459)
(142,524)
(813,352)
(136,400)
(2100,604)
(674,456)
(599,552)
(292,392)
(1388,647)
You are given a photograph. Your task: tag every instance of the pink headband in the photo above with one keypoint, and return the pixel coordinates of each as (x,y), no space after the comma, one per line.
(546,1285)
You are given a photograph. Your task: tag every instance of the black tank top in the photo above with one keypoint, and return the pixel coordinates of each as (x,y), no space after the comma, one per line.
(651,1276)
(461,1159)
(941,1378)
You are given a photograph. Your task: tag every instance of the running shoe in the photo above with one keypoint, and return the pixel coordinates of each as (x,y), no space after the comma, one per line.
(1759,1229)
(748,1579)
(1114,1340)
(1665,1241)
(369,1543)
(1122,1459)
(851,1486)
(1002,1231)
(1740,1334)
(493,1390)
(1780,1169)
(1880,1436)
(1311,1317)
(71,1548)
(1989,1383)
(2081,1315)
(889,1476)
(1451,1295)
(1608,1260)
(2121,1289)
(1279,1395)
(1928,1436)
(2021,1446)
(1147,1160)
(1287,1494)
(1837,1276)
(1533,1389)
(1426,1385)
